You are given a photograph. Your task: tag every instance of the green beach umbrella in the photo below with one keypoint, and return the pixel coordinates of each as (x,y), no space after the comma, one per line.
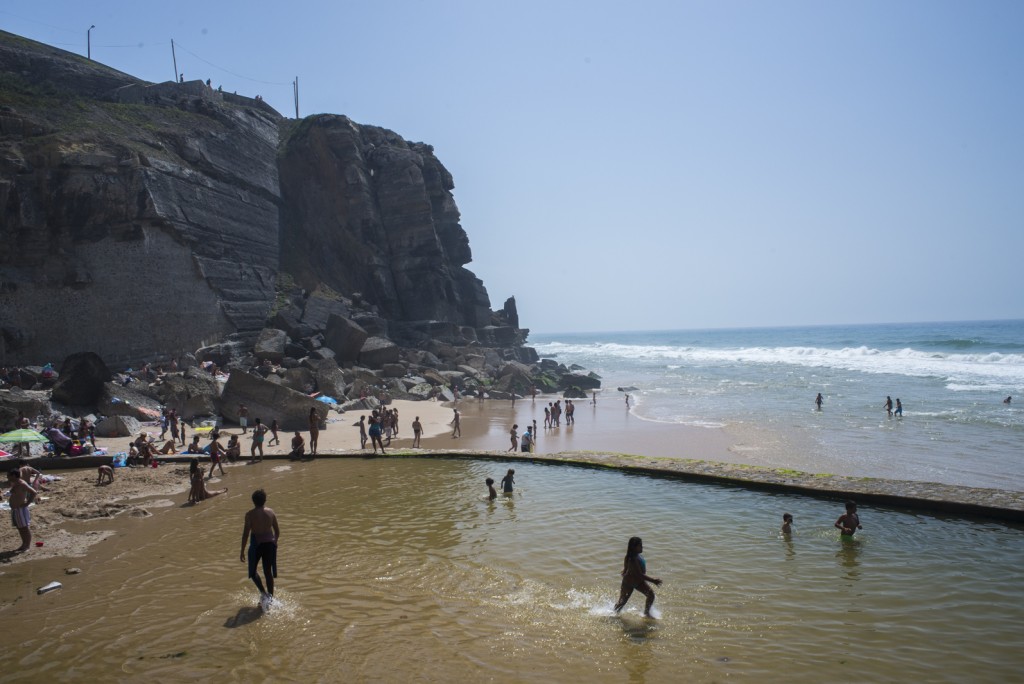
(22,436)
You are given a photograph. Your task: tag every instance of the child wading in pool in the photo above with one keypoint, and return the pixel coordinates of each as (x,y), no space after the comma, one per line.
(849,522)
(491,494)
(508,481)
(634,576)
(787,523)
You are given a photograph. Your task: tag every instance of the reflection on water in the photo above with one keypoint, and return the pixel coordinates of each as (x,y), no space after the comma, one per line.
(401,570)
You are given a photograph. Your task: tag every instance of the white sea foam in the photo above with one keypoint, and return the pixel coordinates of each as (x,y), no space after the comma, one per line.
(991,370)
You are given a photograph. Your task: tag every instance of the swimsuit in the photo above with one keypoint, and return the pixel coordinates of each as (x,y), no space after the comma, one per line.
(20,517)
(263,547)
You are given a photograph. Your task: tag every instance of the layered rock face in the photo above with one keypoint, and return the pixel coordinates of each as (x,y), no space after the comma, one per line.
(365,211)
(144,221)
(140,228)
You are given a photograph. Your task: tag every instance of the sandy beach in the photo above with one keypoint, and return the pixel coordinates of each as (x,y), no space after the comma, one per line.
(606,427)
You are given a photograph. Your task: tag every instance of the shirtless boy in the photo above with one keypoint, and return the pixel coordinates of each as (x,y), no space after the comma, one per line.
(849,522)
(261,523)
(105,473)
(21,496)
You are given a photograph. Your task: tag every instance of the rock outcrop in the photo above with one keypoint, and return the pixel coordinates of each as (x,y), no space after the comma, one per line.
(155,219)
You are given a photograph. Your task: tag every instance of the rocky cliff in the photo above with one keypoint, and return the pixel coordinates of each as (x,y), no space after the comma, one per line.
(143,221)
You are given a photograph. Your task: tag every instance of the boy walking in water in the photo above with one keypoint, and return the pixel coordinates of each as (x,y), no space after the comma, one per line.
(261,523)
(21,496)
(849,522)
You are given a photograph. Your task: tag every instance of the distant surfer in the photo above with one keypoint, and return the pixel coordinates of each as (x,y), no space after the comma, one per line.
(818,400)
(261,524)
(634,576)
(1007,400)
(849,522)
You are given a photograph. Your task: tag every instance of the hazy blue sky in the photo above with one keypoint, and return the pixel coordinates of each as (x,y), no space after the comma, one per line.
(658,165)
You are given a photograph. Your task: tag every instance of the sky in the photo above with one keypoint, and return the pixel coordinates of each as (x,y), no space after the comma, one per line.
(657,165)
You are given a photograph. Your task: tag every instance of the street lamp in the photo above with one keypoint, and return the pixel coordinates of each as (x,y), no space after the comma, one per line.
(88,41)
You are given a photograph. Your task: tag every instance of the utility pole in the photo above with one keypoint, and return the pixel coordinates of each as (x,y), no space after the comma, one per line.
(88,41)
(295,89)
(175,58)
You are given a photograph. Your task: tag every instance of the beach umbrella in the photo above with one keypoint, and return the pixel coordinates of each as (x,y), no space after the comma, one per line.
(22,436)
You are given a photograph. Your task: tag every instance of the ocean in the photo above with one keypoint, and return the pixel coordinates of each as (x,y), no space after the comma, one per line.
(759,385)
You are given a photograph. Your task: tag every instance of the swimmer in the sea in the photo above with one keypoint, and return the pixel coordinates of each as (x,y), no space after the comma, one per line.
(787,523)
(849,522)
(634,576)
(818,400)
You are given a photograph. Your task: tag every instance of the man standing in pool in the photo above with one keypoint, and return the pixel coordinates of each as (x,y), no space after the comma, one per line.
(261,523)
(849,522)
(634,576)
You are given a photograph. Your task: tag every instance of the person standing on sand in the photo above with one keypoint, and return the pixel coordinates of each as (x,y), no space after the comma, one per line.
(456,425)
(514,434)
(261,525)
(627,402)
(362,431)
(243,418)
(314,430)
(258,432)
(818,400)
(21,495)
(417,432)
(375,434)
(274,439)
(216,451)
(634,576)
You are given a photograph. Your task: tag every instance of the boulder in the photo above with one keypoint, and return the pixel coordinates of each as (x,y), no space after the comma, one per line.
(193,393)
(271,345)
(268,400)
(330,379)
(118,426)
(299,379)
(434,378)
(345,338)
(584,381)
(289,319)
(422,391)
(392,370)
(318,310)
(81,380)
(574,393)
(377,351)
(127,401)
(224,354)
(16,400)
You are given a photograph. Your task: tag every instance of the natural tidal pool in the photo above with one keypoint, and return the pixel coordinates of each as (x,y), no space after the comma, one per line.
(401,570)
